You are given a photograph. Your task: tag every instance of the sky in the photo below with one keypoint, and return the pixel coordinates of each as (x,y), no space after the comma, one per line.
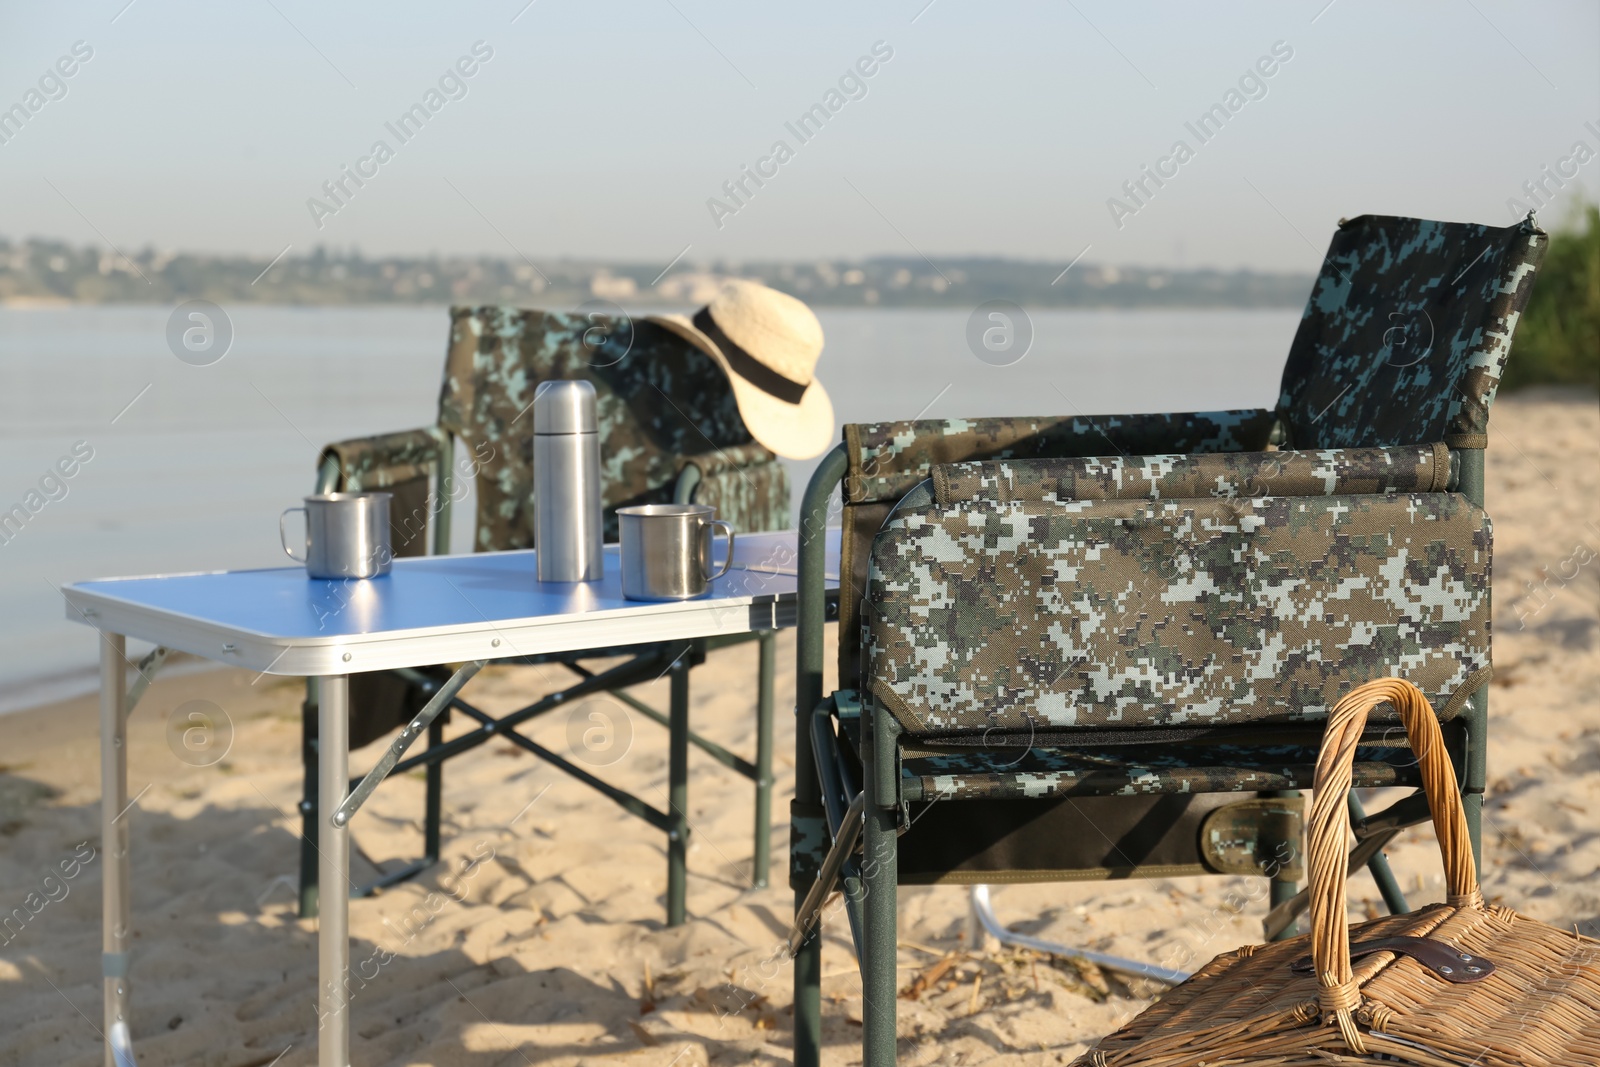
(608,130)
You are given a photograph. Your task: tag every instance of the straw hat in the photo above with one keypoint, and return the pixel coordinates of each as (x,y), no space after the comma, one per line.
(767,343)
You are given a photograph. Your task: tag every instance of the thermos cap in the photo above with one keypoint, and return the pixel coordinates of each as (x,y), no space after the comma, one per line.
(561,407)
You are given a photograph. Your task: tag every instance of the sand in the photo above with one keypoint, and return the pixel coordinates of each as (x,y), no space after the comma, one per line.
(541,939)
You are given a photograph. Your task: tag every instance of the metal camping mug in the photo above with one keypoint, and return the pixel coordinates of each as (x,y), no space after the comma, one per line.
(347,535)
(666,550)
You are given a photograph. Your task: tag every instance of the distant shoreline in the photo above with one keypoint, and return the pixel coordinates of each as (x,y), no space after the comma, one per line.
(48,273)
(557,302)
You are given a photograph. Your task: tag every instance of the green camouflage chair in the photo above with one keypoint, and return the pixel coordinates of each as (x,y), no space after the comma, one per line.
(669,431)
(1072,631)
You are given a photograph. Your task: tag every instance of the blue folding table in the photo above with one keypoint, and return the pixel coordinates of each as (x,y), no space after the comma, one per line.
(469,609)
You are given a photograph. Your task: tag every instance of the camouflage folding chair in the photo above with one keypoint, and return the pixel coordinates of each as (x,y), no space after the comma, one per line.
(669,431)
(1063,635)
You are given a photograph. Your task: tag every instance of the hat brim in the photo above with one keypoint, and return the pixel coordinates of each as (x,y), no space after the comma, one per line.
(794,431)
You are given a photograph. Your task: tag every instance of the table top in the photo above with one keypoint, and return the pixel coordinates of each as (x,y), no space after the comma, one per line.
(434,609)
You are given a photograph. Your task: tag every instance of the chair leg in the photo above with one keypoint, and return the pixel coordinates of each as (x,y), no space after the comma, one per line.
(879,920)
(308,802)
(1393,898)
(768,645)
(432,814)
(808,993)
(1472,805)
(1476,715)
(678,791)
(1283,888)
(879,940)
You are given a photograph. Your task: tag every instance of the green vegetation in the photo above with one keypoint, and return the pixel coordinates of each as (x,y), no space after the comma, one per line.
(1558,339)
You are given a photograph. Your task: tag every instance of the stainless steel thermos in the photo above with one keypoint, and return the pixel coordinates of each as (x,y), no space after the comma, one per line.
(566,483)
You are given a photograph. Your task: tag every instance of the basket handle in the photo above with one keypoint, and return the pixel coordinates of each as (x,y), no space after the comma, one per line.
(1337,993)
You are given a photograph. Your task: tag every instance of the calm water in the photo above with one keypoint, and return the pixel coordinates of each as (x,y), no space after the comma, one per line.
(192,475)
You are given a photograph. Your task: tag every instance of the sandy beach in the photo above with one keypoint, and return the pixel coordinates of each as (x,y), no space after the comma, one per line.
(540,939)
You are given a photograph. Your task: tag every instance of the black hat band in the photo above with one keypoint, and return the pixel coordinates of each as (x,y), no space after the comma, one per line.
(747,366)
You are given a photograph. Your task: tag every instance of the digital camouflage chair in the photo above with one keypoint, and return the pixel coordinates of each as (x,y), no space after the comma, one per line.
(1064,634)
(669,431)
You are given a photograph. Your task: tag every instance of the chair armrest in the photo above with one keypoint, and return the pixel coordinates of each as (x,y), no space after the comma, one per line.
(747,485)
(1136,613)
(722,460)
(888,458)
(1230,476)
(385,459)
(403,463)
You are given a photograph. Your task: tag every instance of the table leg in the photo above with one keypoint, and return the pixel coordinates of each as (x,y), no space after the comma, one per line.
(333,874)
(115,897)
(767,673)
(433,806)
(678,791)
(309,804)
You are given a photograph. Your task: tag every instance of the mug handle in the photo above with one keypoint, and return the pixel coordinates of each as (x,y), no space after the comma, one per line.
(727,564)
(283,535)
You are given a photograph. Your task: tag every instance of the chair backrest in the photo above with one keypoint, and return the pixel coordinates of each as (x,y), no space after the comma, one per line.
(660,403)
(1406,333)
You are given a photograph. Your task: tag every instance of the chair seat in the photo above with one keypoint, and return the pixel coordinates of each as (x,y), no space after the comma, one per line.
(949,769)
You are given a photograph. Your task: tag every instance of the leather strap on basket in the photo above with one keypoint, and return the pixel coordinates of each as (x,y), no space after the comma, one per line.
(1337,993)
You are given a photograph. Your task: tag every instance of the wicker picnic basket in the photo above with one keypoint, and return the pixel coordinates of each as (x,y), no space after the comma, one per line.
(1455,984)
